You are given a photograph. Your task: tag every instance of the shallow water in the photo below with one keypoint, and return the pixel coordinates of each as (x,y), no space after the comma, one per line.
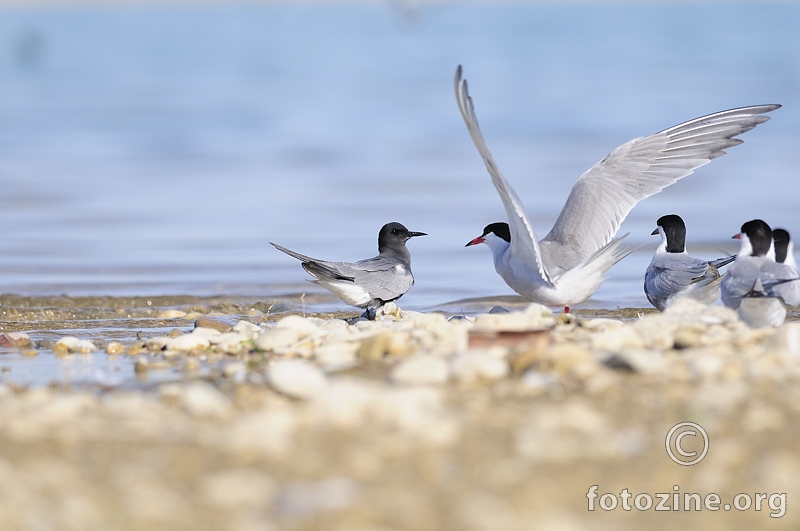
(157,151)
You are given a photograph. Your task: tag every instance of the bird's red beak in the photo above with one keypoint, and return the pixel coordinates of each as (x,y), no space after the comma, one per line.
(476,241)
(737,236)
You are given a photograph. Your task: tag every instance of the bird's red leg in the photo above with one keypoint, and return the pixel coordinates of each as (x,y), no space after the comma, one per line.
(566,309)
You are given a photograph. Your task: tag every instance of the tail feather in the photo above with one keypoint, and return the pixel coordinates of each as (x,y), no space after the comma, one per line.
(615,251)
(301,257)
(721,262)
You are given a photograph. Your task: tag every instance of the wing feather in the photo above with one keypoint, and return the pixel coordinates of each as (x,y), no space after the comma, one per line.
(524,243)
(604,195)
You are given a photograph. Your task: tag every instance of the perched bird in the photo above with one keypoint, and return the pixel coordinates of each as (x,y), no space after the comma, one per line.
(567,266)
(756,285)
(369,283)
(673,274)
(784,248)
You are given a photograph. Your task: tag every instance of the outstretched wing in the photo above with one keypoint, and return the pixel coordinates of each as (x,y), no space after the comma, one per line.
(604,195)
(524,243)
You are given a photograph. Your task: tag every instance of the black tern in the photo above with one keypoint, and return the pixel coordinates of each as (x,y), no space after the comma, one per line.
(673,274)
(567,266)
(756,285)
(369,283)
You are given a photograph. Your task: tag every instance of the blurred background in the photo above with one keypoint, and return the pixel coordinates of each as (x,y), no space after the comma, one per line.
(156,148)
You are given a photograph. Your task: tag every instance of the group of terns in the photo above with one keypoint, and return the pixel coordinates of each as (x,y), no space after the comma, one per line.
(569,264)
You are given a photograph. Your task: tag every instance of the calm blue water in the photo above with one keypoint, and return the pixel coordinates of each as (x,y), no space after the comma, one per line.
(159,150)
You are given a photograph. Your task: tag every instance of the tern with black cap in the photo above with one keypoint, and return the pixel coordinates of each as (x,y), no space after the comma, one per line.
(369,283)
(756,286)
(568,265)
(673,274)
(784,248)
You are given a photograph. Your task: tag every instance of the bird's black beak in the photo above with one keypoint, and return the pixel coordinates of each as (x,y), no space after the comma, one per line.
(654,232)
(412,234)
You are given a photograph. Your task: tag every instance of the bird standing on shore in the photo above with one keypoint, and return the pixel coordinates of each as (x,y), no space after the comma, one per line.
(369,283)
(673,274)
(568,265)
(756,286)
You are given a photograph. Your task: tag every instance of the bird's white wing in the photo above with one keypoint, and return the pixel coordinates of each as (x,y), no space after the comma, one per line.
(604,195)
(524,243)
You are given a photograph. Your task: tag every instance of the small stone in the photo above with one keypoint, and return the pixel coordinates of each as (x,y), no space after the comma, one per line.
(174,333)
(216,324)
(600,323)
(390,310)
(171,314)
(202,399)
(277,338)
(142,365)
(115,347)
(421,370)
(617,339)
(641,361)
(336,356)
(302,326)
(15,340)
(63,345)
(188,342)
(534,317)
(82,346)
(475,366)
(374,347)
(248,329)
(232,370)
(30,352)
(296,378)
(157,343)
(230,342)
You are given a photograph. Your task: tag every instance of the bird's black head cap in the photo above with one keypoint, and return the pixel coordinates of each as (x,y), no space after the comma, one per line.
(675,231)
(781,238)
(500,229)
(760,236)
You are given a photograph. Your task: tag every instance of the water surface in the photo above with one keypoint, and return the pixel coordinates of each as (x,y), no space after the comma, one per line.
(157,151)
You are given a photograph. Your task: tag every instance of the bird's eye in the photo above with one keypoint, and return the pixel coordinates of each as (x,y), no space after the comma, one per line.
(394,231)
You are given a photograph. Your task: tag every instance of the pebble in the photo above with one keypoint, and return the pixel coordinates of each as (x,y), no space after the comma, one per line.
(296,378)
(115,347)
(421,370)
(337,356)
(190,341)
(74,345)
(230,342)
(534,317)
(216,324)
(475,366)
(15,340)
(277,338)
(248,329)
(172,314)
(302,326)
(202,399)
